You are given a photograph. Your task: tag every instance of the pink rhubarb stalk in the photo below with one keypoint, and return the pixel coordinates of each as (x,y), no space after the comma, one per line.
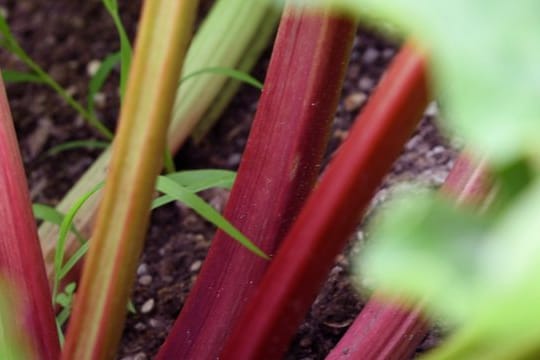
(386,331)
(278,169)
(21,261)
(332,212)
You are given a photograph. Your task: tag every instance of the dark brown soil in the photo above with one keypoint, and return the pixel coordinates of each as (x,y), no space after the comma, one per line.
(64,37)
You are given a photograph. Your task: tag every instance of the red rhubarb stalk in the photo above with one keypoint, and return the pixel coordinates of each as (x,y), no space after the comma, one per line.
(21,261)
(278,169)
(332,212)
(386,331)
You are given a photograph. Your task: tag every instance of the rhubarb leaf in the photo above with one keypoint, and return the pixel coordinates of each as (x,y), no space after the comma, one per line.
(425,248)
(478,274)
(485,58)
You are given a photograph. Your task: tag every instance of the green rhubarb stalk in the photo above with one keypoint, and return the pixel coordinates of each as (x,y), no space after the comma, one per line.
(260,29)
(21,261)
(100,307)
(240,30)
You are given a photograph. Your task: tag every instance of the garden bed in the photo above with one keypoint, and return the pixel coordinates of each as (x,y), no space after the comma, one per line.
(67,38)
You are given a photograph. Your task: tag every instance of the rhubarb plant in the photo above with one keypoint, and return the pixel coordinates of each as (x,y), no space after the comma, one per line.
(233,36)
(474,269)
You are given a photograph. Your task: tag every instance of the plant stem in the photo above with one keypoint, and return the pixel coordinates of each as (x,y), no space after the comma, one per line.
(100,307)
(92,120)
(331,212)
(386,330)
(21,261)
(217,32)
(278,170)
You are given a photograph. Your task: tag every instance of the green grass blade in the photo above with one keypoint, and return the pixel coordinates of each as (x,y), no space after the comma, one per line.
(9,42)
(125,45)
(70,145)
(197,180)
(62,233)
(180,193)
(168,161)
(50,214)
(229,72)
(14,77)
(72,261)
(98,79)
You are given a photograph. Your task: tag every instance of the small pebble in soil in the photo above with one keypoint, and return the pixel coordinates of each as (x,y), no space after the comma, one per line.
(366,83)
(142,269)
(145,280)
(100,100)
(195,266)
(305,342)
(92,67)
(370,55)
(140,326)
(234,160)
(155,323)
(354,101)
(138,356)
(432,109)
(388,53)
(148,306)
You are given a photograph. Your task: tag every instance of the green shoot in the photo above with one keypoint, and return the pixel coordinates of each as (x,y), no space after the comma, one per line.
(125,46)
(64,228)
(8,41)
(65,300)
(168,162)
(70,145)
(176,187)
(180,193)
(50,214)
(98,80)
(14,77)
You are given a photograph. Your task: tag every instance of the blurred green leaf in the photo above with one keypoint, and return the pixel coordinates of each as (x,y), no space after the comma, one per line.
(479,274)
(15,341)
(425,249)
(484,56)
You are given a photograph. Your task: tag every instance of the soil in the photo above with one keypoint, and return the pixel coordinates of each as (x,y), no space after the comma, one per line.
(65,37)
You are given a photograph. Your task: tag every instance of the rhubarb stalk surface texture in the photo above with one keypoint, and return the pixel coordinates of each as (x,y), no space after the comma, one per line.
(332,212)
(21,261)
(278,169)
